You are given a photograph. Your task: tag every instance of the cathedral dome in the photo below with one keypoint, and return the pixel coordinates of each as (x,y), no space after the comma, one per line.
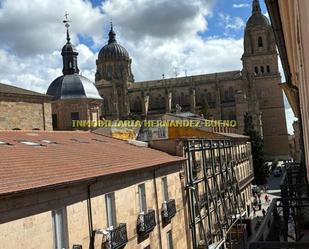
(113,50)
(73,86)
(257,18)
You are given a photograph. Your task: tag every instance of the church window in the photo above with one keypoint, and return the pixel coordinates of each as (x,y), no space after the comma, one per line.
(256,70)
(138,105)
(262,69)
(70,64)
(268,69)
(260,42)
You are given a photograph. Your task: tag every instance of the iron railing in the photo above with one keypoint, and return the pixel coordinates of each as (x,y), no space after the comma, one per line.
(168,210)
(117,237)
(146,222)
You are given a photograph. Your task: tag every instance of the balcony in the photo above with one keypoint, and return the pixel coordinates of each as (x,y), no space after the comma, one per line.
(168,210)
(116,238)
(146,222)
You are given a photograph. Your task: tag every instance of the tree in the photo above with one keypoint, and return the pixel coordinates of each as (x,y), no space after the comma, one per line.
(260,168)
(205,109)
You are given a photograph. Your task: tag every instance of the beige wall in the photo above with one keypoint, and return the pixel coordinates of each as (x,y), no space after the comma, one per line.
(86,108)
(295,17)
(24,115)
(26,221)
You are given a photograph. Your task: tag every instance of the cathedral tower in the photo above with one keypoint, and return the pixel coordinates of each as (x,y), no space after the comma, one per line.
(113,77)
(260,66)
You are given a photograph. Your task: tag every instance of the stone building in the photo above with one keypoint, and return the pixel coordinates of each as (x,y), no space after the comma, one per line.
(62,189)
(95,191)
(290,23)
(227,95)
(21,109)
(74,96)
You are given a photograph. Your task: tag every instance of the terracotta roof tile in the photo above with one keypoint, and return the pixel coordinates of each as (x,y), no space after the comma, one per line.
(76,156)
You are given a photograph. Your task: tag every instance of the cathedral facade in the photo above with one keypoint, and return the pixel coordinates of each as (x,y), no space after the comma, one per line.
(226,95)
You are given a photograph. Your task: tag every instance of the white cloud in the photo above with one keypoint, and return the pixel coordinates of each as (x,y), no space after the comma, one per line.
(231,23)
(241,5)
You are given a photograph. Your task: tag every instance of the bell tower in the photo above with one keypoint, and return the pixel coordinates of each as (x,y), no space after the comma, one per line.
(260,68)
(260,55)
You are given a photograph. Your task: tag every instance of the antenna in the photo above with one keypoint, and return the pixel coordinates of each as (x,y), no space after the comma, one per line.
(186,72)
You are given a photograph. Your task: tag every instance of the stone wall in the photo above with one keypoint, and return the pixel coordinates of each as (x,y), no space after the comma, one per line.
(26,220)
(25,115)
(87,110)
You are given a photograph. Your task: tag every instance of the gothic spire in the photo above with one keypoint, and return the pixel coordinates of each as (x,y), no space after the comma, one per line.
(256,8)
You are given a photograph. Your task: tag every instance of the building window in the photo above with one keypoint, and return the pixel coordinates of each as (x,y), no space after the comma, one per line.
(110,209)
(268,69)
(260,42)
(169,240)
(142,198)
(256,70)
(165,189)
(74,116)
(54,121)
(262,69)
(60,228)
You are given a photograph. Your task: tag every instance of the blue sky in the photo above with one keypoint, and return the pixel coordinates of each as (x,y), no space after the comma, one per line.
(161,36)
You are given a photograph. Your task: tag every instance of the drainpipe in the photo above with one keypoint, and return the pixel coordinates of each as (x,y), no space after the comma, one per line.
(157,207)
(90,220)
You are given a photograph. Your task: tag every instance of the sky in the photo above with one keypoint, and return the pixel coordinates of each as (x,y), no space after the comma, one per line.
(161,36)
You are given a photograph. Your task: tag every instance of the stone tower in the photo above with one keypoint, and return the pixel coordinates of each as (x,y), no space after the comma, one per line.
(113,78)
(260,67)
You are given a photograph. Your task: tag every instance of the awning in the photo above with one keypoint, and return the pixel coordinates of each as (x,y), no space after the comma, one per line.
(291,93)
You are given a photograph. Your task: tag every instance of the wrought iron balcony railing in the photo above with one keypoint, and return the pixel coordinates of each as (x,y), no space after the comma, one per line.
(168,210)
(146,222)
(116,237)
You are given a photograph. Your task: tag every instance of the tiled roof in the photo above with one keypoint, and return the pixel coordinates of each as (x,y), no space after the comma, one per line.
(68,156)
(8,89)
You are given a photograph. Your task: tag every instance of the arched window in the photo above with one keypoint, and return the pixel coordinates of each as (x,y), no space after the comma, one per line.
(260,42)
(137,105)
(256,70)
(268,69)
(262,69)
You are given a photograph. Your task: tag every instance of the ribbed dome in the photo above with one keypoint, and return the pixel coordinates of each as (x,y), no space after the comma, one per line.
(258,19)
(113,50)
(73,86)
(68,48)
